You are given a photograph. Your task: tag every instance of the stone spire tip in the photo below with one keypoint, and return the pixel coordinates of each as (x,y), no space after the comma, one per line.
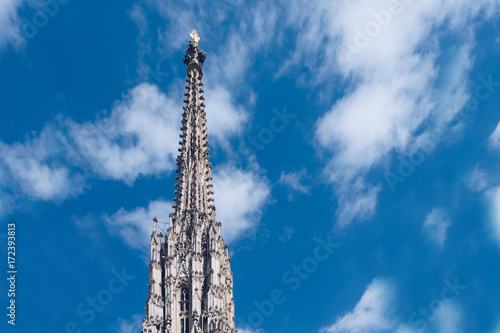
(193,53)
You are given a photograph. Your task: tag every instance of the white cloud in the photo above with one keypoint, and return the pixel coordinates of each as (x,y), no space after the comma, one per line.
(478,180)
(404,328)
(494,138)
(138,16)
(254,32)
(88,226)
(497,330)
(255,28)
(132,325)
(375,312)
(397,79)
(287,235)
(372,313)
(494,196)
(224,119)
(356,202)
(436,225)
(9,23)
(227,65)
(328,29)
(37,168)
(6,203)
(248,330)
(448,318)
(139,137)
(135,227)
(240,197)
(293,181)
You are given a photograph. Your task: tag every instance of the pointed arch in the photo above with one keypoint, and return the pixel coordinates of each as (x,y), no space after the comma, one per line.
(184,307)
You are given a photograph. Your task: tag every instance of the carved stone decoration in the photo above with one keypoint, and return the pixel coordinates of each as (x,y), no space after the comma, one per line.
(193,52)
(190,273)
(194,37)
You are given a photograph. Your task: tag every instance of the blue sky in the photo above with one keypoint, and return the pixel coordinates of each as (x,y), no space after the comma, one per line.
(355,146)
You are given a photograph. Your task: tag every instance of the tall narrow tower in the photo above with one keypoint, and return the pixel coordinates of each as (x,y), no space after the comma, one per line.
(191,283)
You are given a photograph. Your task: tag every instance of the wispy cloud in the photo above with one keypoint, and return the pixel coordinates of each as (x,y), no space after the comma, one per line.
(36,168)
(224,118)
(293,182)
(494,198)
(395,82)
(494,138)
(478,180)
(137,138)
(247,330)
(242,38)
(240,199)
(357,202)
(134,227)
(449,318)
(436,225)
(10,23)
(6,203)
(497,330)
(377,311)
(372,313)
(241,196)
(228,63)
(445,318)
(132,325)
(254,33)
(287,234)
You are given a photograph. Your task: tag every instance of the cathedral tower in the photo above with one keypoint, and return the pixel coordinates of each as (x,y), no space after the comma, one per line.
(191,283)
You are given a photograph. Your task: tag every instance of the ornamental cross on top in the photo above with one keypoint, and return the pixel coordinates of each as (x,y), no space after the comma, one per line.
(194,55)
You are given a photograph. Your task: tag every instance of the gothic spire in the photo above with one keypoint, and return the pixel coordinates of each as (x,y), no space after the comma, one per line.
(193,194)
(191,283)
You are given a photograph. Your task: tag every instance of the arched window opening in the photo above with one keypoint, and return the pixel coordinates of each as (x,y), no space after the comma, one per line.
(184,310)
(184,300)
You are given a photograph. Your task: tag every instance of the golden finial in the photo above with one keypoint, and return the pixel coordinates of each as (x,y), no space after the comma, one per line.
(194,37)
